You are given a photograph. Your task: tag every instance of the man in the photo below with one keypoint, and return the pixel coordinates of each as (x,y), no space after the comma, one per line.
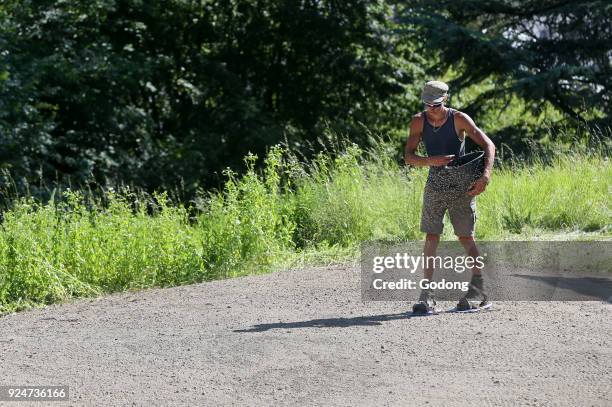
(443,130)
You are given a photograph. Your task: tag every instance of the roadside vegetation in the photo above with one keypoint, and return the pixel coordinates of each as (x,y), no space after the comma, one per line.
(293,212)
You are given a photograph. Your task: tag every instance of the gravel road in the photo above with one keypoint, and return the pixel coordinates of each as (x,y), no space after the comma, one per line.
(304,337)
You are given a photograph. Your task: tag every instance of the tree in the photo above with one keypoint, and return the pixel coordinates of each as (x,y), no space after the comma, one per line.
(554,51)
(155,92)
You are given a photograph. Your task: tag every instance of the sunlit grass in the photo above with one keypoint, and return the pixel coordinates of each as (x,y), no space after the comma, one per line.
(290,214)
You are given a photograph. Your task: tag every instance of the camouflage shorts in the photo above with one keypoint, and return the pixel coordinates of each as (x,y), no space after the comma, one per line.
(461,210)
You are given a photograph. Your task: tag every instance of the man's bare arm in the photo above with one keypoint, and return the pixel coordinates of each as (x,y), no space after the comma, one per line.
(465,123)
(414,138)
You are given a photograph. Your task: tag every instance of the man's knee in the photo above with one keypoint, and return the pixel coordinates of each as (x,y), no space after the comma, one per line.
(466,238)
(432,237)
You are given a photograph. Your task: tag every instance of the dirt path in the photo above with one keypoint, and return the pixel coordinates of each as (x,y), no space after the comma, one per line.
(304,337)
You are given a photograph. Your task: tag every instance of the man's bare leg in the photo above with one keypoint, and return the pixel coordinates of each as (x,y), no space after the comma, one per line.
(431,245)
(426,299)
(472,250)
(476,288)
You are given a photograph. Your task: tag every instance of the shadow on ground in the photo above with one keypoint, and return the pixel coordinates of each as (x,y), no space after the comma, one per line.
(369,320)
(583,288)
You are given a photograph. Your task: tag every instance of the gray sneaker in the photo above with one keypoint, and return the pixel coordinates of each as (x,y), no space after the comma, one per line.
(475,291)
(426,303)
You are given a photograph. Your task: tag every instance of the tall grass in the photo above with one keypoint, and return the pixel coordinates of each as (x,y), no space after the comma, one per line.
(75,245)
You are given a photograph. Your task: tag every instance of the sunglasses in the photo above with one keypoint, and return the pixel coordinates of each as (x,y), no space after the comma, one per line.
(433,105)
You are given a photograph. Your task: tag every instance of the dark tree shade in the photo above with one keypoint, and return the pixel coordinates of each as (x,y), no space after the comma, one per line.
(153,92)
(543,50)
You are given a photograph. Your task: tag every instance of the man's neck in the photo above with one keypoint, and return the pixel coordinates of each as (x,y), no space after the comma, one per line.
(438,115)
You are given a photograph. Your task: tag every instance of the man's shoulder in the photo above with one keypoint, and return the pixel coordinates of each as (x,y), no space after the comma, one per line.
(419,117)
(460,115)
(416,124)
(461,118)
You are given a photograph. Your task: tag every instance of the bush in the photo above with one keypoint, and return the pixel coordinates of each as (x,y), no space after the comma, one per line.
(83,245)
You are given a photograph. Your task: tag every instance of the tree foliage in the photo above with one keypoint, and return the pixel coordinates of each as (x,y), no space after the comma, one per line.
(156,92)
(554,51)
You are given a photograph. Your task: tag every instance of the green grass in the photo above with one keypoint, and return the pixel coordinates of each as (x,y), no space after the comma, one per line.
(290,214)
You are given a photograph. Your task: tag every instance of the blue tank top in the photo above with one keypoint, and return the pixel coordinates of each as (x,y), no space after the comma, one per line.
(442,140)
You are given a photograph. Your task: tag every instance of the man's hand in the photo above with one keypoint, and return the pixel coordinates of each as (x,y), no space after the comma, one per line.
(439,160)
(479,186)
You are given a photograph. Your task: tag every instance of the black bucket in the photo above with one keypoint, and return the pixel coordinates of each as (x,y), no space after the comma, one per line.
(459,174)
